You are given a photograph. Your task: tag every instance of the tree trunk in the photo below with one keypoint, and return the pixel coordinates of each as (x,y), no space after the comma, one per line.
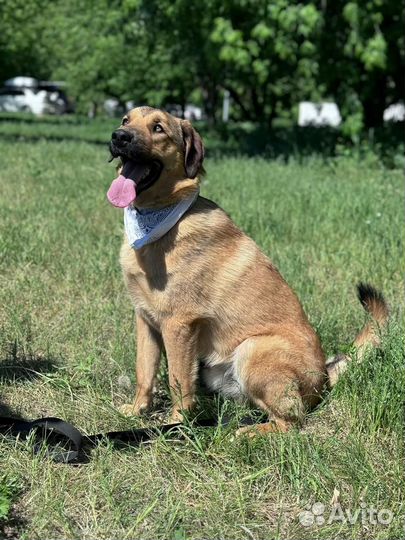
(210,93)
(234,95)
(374,103)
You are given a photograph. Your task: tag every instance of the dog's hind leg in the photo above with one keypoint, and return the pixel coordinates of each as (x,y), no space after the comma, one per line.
(280,398)
(283,381)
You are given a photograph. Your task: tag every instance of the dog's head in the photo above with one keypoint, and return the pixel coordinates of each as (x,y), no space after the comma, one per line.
(161,158)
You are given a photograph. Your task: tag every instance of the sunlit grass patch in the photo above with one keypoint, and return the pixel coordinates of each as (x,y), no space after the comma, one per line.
(66,341)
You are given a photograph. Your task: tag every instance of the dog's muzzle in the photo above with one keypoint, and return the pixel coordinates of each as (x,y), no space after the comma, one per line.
(122,143)
(121,137)
(139,170)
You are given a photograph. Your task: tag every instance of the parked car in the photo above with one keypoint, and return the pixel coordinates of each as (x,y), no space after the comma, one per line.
(22,100)
(318,114)
(395,113)
(22,82)
(25,94)
(174,109)
(191,112)
(114,108)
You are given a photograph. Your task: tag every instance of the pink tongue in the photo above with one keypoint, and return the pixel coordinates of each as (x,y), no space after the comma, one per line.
(122,192)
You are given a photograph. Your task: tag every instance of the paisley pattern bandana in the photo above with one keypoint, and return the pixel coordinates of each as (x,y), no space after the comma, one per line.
(144,226)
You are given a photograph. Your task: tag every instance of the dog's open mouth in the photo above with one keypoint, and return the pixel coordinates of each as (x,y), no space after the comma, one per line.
(135,177)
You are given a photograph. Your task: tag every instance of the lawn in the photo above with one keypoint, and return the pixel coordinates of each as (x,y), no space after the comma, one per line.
(67,350)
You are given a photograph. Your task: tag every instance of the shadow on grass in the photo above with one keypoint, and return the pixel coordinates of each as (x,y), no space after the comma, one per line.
(12,527)
(301,142)
(29,118)
(5,410)
(281,142)
(31,138)
(17,366)
(223,141)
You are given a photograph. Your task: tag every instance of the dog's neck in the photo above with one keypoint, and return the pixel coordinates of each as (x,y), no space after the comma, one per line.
(147,225)
(167,194)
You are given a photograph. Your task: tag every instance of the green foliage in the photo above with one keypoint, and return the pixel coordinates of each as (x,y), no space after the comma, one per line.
(268,59)
(87,40)
(8,489)
(21,46)
(268,55)
(5,500)
(366,58)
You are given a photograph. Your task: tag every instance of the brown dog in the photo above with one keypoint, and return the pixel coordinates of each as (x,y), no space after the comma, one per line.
(206,293)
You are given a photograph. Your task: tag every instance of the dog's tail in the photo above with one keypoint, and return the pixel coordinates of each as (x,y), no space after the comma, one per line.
(375,304)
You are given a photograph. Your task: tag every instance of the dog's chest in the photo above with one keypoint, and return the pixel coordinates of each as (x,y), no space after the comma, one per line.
(152,287)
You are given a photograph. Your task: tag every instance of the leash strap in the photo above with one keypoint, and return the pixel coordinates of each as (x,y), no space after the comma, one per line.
(66,444)
(65,441)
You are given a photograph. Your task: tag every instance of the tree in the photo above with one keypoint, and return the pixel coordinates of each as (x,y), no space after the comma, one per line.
(183,28)
(269,55)
(87,49)
(20,49)
(110,48)
(362,58)
(263,53)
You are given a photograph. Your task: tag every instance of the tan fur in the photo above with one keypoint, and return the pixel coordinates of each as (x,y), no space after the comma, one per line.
(206,292)
(173,184)
(370,336)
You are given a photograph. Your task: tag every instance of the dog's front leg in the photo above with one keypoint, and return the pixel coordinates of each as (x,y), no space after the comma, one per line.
(149,347)
(180,341)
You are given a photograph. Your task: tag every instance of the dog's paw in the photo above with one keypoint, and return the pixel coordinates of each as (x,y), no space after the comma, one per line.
(176,417)
(129,409)
(273,426)
(247,431)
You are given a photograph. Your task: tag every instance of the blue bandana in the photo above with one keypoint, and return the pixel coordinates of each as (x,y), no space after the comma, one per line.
(144,226)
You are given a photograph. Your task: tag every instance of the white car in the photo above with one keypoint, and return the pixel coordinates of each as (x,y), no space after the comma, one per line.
(395,113)
(318,114)
(30,100)
(191,112)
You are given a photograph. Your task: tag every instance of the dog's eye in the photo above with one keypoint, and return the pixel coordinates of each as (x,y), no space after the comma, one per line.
(125,121)
(157,128)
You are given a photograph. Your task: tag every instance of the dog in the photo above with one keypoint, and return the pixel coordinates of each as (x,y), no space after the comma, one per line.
(204,291)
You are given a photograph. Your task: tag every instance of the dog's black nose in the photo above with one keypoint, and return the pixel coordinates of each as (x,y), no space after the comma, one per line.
(120,136)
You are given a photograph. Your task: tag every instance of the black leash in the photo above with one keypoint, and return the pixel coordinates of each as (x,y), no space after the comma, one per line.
(66,444)
(65,441)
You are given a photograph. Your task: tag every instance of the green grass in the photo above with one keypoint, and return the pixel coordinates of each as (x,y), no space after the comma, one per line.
(66,338)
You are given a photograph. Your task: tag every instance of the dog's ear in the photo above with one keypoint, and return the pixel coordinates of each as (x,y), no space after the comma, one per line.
(193,150)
